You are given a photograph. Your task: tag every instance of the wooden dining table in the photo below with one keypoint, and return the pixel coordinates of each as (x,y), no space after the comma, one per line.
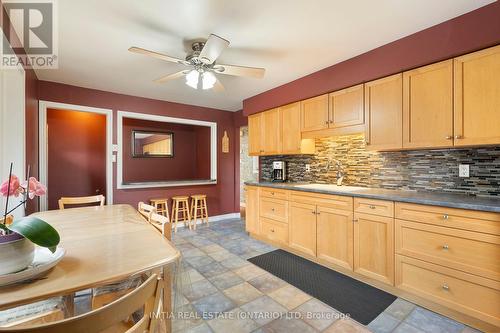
(103,244)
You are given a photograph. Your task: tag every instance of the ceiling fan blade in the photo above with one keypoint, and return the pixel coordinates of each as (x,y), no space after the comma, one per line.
(254,72)
(212,49)
(170,77)
(218,87)
(156,55)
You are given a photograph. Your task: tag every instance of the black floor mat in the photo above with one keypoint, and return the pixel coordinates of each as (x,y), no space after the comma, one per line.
(347,295)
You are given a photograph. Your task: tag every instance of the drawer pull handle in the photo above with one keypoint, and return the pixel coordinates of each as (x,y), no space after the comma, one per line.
(371,207)
(445,216)
(446,287)
(448,137)
(272,209)
(272,193)
(314,212)
(355,220)
(446,247)
(272,230)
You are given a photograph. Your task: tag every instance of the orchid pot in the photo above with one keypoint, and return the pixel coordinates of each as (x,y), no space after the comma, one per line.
(18,237)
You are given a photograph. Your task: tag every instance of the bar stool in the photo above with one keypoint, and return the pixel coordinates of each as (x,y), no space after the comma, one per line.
(199,205)
(180,204)
(161,206)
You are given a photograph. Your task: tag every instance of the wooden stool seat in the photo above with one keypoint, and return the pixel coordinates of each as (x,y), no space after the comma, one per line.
(161,205)
(199,208)
(180,206)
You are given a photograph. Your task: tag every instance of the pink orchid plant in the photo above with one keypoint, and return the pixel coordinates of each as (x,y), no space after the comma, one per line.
(32,228)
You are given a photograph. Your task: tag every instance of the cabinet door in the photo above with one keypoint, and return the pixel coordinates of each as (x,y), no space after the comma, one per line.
(252,209)
(384,113)
(477,98)
(335,236)
(428,106)
(271,131)
(302,228)
(314,113)
(290,115)
(346,107)
(374,247)
(255,138)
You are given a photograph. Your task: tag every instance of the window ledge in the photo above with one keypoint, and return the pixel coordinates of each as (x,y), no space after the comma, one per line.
(131,185)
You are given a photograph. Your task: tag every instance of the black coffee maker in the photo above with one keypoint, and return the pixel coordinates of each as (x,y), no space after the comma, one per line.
(279,171)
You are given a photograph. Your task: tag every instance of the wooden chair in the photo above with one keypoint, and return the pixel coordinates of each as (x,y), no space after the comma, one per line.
(199,208)
(81,200)
(111,317)
(146,210)
(180,205)
(162,223)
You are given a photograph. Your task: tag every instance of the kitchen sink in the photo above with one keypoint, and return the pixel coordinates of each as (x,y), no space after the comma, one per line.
(331,187)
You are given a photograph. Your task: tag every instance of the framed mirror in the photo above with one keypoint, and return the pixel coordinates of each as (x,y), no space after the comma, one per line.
(152,144)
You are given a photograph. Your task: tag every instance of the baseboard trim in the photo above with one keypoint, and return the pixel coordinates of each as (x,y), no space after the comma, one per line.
(214,218)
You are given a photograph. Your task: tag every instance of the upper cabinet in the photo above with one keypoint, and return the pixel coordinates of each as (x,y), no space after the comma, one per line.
(271,131)
(428,106)
(383,113)
(314,113)
(291,131)
(255,135)
(346,107)
(477,98)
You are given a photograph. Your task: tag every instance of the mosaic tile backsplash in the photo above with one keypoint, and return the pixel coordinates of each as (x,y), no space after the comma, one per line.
(420,170)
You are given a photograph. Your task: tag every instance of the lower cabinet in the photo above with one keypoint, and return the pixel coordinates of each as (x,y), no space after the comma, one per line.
(302,228)
(274,231)
(374,247)
(335,236)
(252,209)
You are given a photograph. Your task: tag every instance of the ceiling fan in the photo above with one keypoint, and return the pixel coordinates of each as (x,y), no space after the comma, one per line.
(202,61)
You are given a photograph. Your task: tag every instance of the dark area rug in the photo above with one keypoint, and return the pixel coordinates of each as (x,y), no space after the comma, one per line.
(347,295)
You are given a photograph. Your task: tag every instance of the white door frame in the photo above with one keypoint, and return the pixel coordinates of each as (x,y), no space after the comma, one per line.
(42,143)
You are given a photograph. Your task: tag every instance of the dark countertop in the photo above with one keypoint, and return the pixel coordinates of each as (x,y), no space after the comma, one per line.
(424,198)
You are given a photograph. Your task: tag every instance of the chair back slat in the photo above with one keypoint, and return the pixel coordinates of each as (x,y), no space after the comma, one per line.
(146,210)
(81,200)
(146,295)
(162,223)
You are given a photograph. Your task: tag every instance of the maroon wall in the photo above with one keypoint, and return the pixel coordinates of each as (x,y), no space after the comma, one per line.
(472,31)
(31,111)
(220,196)
(76,167)
(189,142)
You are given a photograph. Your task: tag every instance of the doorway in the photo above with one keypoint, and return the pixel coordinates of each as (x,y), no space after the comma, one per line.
(75,152)
(249,167)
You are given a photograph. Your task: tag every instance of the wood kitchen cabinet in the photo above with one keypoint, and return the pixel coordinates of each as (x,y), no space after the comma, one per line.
(271,131)
(428,106)
(292,142)
(477,98)
(252,209)
(346,107)
(384,113)
(302,228)
(255,135)
(335,236)
(314,113)
(374,247)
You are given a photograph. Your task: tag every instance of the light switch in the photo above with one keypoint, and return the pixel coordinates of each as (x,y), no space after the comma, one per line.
(308,167)
(463,170)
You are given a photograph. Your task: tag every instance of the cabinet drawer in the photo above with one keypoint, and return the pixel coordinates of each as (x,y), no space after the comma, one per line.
(324,200)
(484,222)
(468,251)
(274,231)
(375,207)
(273,193)
(457,290)
(275,209)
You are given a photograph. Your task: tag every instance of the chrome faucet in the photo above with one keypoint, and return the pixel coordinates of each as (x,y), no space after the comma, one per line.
(339,168)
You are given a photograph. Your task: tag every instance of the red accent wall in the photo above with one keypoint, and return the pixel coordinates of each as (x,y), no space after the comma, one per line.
(466,33)
(190,153)
(76,154)
(220,196)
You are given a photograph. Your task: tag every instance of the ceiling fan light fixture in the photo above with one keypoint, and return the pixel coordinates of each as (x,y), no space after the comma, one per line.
(192,79)
(208,80)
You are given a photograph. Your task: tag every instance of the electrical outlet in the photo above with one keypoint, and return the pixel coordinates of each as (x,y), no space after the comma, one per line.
(463,170)
(308,167)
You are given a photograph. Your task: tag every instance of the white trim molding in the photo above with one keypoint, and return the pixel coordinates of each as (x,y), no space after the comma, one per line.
(42,143)
(143,116)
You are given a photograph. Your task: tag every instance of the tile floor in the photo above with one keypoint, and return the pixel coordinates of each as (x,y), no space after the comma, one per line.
(223,292)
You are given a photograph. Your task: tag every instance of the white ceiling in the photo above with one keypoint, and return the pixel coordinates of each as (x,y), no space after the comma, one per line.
(290,38)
